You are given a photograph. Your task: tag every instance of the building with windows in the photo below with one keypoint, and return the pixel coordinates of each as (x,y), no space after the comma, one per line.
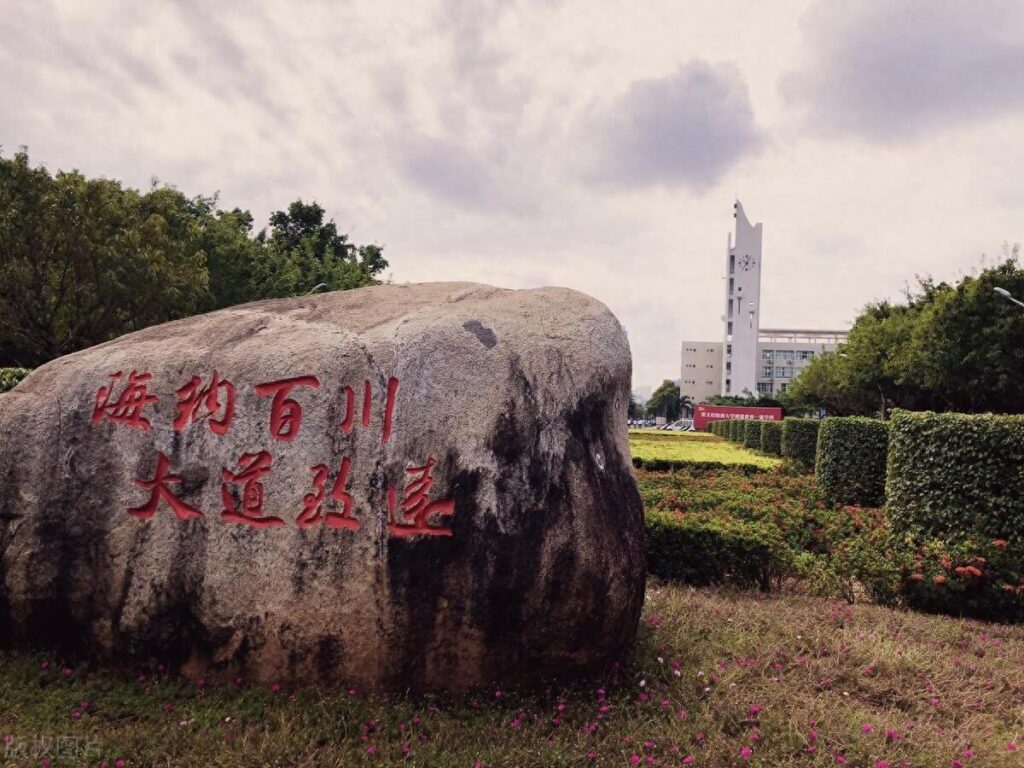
(750,360)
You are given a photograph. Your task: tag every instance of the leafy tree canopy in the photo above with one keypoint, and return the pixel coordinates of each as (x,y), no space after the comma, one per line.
(85,260)
(945,348)
(665,401)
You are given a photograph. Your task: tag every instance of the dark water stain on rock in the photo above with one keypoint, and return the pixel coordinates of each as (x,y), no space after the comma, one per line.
(483,334)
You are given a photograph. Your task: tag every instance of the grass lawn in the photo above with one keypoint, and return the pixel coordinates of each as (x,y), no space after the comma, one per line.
(693,447)
(794,680)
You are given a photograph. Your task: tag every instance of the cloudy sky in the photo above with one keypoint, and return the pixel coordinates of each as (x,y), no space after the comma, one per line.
(596,144)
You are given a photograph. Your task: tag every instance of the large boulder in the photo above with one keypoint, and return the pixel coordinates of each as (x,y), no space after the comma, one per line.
(420,485)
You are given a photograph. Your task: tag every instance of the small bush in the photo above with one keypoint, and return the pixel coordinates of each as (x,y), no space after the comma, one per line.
(974,577)
(11,377)
(800,441)
(851,456)
(737,430)
(704,549)
(771,438)
(752,434)
(956,477)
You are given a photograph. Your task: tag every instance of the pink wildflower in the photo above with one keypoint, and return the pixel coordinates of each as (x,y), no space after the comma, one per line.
(746,752)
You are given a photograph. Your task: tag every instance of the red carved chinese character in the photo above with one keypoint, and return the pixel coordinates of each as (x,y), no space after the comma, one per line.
(312,511)
(285,413)
(158,490)
(194,395)
(389,407)
(254,466)
(128,407)
(415,503)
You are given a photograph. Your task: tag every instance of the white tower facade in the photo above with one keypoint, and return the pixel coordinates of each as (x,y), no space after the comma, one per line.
(742,306)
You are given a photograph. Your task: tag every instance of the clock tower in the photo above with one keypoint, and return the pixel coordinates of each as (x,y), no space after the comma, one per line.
(742,307)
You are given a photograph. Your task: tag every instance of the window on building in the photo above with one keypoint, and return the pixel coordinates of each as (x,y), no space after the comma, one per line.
(764,387)
(768,354)
(766,370)
(805,354)
(732,263)
(728,385)
(728,367)
(783,372)
(782,387)
(728,349)
(728,329)
(785,355)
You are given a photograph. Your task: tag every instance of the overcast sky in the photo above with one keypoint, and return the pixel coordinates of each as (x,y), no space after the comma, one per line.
(594,144)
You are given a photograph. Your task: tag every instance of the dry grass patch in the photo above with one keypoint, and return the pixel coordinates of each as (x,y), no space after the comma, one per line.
(794,680)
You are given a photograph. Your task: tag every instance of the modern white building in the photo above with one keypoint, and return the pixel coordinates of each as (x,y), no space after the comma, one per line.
(750,360)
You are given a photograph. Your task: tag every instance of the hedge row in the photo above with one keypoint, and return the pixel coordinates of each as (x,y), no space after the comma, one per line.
(771,438)
(954,476)
(752,435)
(800,441)
(708,549)
(851,457)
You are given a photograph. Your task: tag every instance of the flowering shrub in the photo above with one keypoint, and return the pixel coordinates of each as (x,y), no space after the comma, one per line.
(974,577)
(713,525)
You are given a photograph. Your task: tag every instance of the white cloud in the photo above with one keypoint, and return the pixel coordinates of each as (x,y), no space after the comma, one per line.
(684,129)
(897,71)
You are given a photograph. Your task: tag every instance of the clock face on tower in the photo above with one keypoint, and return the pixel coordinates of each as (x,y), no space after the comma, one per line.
(746,263)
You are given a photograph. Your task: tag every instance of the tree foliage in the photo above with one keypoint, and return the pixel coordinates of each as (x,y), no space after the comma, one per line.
(665,401)
(946,348)
(85,260)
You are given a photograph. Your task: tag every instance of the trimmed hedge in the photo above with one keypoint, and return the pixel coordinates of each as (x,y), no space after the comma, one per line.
(705,549)
(851,456)
(953,475)
(736,432)
(752,434)
(800,441)
(771,438)
(11,377)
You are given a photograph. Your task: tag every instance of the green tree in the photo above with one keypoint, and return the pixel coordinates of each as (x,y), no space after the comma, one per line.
(302,250)
(85,260)
(946,348)
(665,401)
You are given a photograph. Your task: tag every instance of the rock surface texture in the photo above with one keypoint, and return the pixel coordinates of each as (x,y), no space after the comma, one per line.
(420,485)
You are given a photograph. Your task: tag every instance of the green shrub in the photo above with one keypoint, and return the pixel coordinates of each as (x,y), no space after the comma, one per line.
(737,430)
(752,434)
(800,441)
(850,464)
(975,577)
(957,477)
(10,377)
(705,549)
(771,438)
